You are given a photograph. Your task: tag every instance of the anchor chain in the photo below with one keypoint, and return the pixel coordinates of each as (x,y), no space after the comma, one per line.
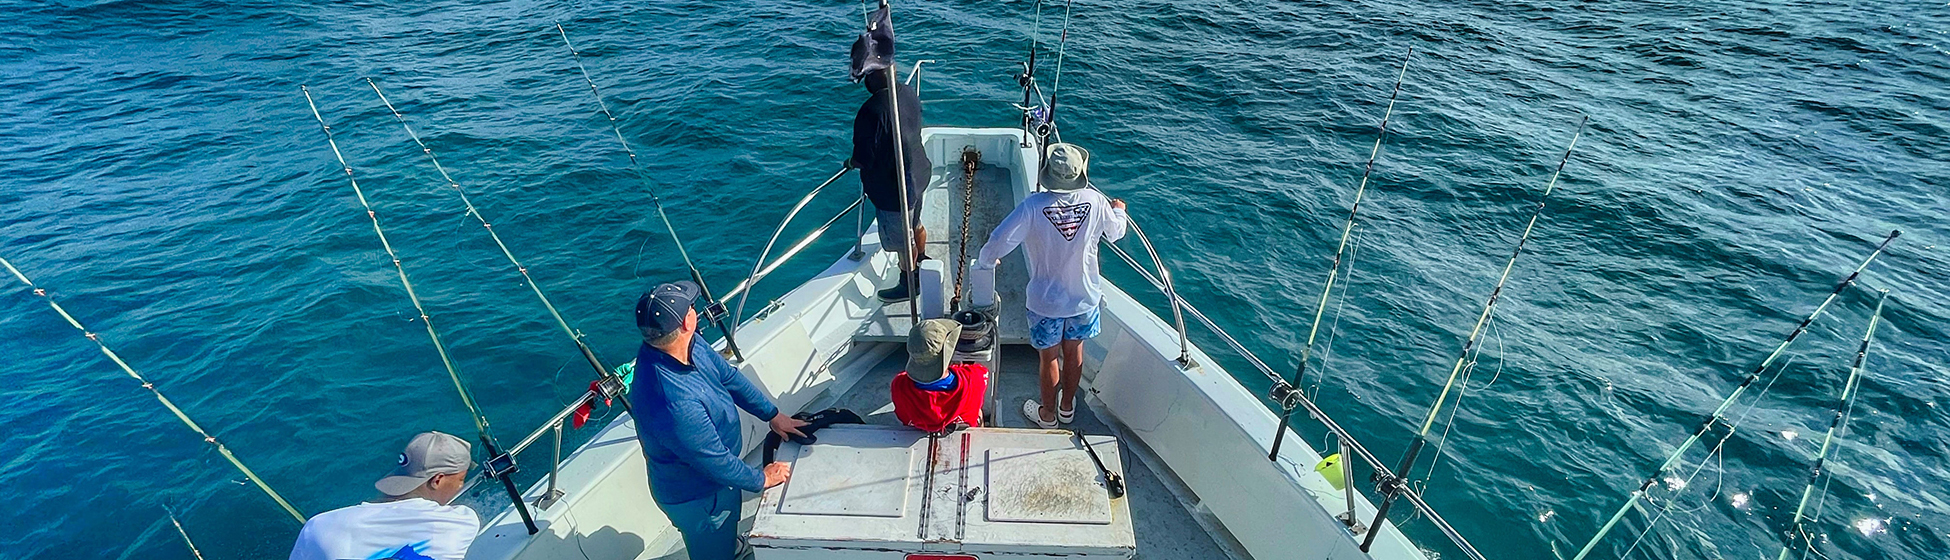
(971,159)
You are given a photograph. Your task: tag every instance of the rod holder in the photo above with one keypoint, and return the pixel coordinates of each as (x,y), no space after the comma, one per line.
(553,494)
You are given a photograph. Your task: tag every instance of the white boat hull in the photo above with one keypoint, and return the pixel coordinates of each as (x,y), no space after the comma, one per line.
(1204,433)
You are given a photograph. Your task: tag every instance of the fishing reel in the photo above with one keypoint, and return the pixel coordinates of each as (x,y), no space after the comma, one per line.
(500,465)
(1285,394)
(612,387)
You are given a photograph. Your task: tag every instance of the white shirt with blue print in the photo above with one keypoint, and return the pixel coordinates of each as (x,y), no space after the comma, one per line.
(410,529)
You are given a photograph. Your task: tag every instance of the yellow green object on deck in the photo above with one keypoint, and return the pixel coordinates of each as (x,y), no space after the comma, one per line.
(1331,468)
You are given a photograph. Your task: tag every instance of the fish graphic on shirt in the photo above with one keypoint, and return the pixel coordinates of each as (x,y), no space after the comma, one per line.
(1068,218)
(409,552)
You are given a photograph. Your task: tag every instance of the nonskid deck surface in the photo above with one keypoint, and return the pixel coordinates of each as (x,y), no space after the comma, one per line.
(941,215)
(1164,528)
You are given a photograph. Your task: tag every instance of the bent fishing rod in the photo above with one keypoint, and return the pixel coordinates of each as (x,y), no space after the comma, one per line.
(611,386)
(1844,407)
(1393,486)
(714,310)
(1719,412)
(184,417)
(1333,270)
(499,466)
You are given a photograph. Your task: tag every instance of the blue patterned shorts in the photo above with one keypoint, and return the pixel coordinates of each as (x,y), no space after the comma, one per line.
(1046,332)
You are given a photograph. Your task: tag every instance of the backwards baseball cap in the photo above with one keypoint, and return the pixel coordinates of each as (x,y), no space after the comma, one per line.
(662,310)
(428,454)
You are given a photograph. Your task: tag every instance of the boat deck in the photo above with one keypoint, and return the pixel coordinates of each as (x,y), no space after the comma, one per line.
(1164,525)
(941,211)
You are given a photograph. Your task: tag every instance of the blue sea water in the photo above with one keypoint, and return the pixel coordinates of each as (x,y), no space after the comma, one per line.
(162,175)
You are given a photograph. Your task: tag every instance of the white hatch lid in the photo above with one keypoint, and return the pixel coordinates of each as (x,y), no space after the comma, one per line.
(1045,486)
(846,480)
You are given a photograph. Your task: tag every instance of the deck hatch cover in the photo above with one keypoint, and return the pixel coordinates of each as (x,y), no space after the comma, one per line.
(856,481)
(1045,486)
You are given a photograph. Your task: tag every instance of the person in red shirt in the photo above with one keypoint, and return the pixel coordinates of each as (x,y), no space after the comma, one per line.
(934,394)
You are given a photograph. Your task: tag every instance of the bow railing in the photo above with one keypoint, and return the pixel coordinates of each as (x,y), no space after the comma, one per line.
(1285,394)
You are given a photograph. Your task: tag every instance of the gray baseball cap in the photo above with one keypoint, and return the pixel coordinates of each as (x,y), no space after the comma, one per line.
(930,346)
(1066,167)
(428,454)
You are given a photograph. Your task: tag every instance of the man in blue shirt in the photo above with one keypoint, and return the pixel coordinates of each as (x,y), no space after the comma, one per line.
(686,399)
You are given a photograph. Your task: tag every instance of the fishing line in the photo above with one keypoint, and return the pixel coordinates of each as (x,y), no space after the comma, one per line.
(1822,503)
(1846,403)
(1718,451)
(1334,333)
(1333,269)
(1442,442)
(637,269)
(494,467)
(1672,501)
(714,311)
(1489,307)
(453,372)
(1495,328)
(1716,416)
(1056,84)
(171,405)
(574,335)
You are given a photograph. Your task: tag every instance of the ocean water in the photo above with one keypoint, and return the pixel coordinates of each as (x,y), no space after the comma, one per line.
(162,175)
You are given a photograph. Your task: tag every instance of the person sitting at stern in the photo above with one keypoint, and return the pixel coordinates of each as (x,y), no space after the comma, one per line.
(935,395)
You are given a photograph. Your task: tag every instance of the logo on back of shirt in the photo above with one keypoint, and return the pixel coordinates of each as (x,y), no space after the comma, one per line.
(408,552)
(1068,218)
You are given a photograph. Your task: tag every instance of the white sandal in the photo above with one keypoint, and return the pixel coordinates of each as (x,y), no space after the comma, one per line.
(1065,416)
(1034,412)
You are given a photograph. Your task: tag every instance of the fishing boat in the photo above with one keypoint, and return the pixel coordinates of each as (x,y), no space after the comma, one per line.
(1206,470)
(1195,441)
(1170,455)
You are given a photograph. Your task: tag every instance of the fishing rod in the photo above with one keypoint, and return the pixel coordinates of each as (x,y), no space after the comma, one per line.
(714,311)
(575,335)
(909,256)
(500,466)
(171,405)
(910,261)
(1056,84)
(1391,487)
(1028,77)
(1843,406)
(180,531)
(1333,270)
(1718,413)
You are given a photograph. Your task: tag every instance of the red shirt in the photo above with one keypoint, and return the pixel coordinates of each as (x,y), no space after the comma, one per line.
(934,411)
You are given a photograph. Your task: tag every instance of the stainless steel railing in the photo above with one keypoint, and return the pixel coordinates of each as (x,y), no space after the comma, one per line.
(1284,393)
(776,232)
(796,248)
(1163,281)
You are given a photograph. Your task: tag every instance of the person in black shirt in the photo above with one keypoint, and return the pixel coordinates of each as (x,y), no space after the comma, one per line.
(873,148)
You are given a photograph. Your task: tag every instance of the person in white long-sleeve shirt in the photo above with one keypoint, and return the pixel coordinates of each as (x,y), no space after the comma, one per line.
(1059,229)
(414,521)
